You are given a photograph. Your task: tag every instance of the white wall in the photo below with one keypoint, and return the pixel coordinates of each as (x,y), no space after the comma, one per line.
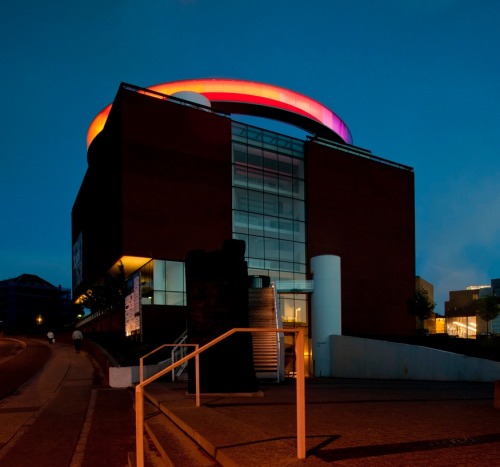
(353,357)
(325,310)
(125,376)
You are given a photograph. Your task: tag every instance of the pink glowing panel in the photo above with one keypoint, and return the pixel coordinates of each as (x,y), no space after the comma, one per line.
(248,92)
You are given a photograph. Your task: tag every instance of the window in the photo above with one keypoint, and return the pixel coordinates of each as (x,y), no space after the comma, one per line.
(268,199)
(163,283)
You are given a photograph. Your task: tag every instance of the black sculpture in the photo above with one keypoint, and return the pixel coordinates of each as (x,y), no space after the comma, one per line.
(217,299)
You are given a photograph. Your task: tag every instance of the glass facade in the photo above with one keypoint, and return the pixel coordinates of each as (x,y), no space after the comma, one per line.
(269,213)
(462,326)
(268,201)
(163,283)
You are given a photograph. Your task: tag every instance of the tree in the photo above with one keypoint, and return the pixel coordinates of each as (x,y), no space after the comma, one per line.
(421,305)
(488,309)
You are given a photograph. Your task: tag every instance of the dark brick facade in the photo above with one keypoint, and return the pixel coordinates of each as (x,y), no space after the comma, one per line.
(363,211)
(158,185)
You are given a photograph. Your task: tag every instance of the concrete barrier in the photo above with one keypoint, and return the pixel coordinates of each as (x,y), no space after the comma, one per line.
(126,376)
(354,357)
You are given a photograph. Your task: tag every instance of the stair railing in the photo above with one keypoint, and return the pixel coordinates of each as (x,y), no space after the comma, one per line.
(280,338)
(300,387)
(172,358)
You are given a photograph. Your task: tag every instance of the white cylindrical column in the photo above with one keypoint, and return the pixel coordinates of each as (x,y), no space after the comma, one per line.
(325,310)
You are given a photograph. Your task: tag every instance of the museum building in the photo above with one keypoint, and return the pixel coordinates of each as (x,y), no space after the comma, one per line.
(174,168)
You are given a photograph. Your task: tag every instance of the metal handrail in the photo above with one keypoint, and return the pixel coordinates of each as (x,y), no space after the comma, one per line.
(300,387)
(141,360)
(160,95)
(358,152)
(280,338)
(179,343)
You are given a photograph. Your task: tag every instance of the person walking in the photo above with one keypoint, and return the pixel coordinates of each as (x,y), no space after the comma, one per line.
(77,340)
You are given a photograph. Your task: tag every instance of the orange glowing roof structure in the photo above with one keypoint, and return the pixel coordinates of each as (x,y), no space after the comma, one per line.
(250,98)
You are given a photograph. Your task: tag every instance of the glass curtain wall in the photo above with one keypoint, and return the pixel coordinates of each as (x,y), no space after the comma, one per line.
(269,210)
(163,283)
(464,327)
(268,201)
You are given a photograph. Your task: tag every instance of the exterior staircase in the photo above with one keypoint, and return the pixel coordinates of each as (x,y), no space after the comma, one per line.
(177,433)
(262,314)
(171,442)
(167,443)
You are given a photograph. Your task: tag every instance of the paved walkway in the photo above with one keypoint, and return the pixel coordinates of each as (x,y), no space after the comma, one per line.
(65,416)
(348,423)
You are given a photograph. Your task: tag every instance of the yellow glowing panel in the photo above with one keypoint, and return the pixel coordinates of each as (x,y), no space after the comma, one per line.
(97,124)
(130,264)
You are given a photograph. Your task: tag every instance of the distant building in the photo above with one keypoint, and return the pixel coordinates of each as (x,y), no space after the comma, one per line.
(427,286)
(436,323)
(170,170)
(461,309)
(31,305)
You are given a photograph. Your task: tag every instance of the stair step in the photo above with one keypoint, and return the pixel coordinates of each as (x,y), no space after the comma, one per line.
(231,441)
(262,314)
(175,447)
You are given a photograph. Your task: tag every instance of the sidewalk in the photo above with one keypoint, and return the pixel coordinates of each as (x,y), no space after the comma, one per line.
(66,417)
(348,423)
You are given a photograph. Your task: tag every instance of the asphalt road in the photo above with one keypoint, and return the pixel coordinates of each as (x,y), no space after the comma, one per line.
(20,359)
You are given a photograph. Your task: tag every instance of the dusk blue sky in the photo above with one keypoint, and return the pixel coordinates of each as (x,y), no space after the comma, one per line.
(416,81)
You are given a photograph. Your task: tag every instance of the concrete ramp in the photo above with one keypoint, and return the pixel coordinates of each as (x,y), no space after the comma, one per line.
(354,357)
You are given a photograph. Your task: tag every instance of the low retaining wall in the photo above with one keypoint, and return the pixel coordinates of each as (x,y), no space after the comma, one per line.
(126,376)
(353,357)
